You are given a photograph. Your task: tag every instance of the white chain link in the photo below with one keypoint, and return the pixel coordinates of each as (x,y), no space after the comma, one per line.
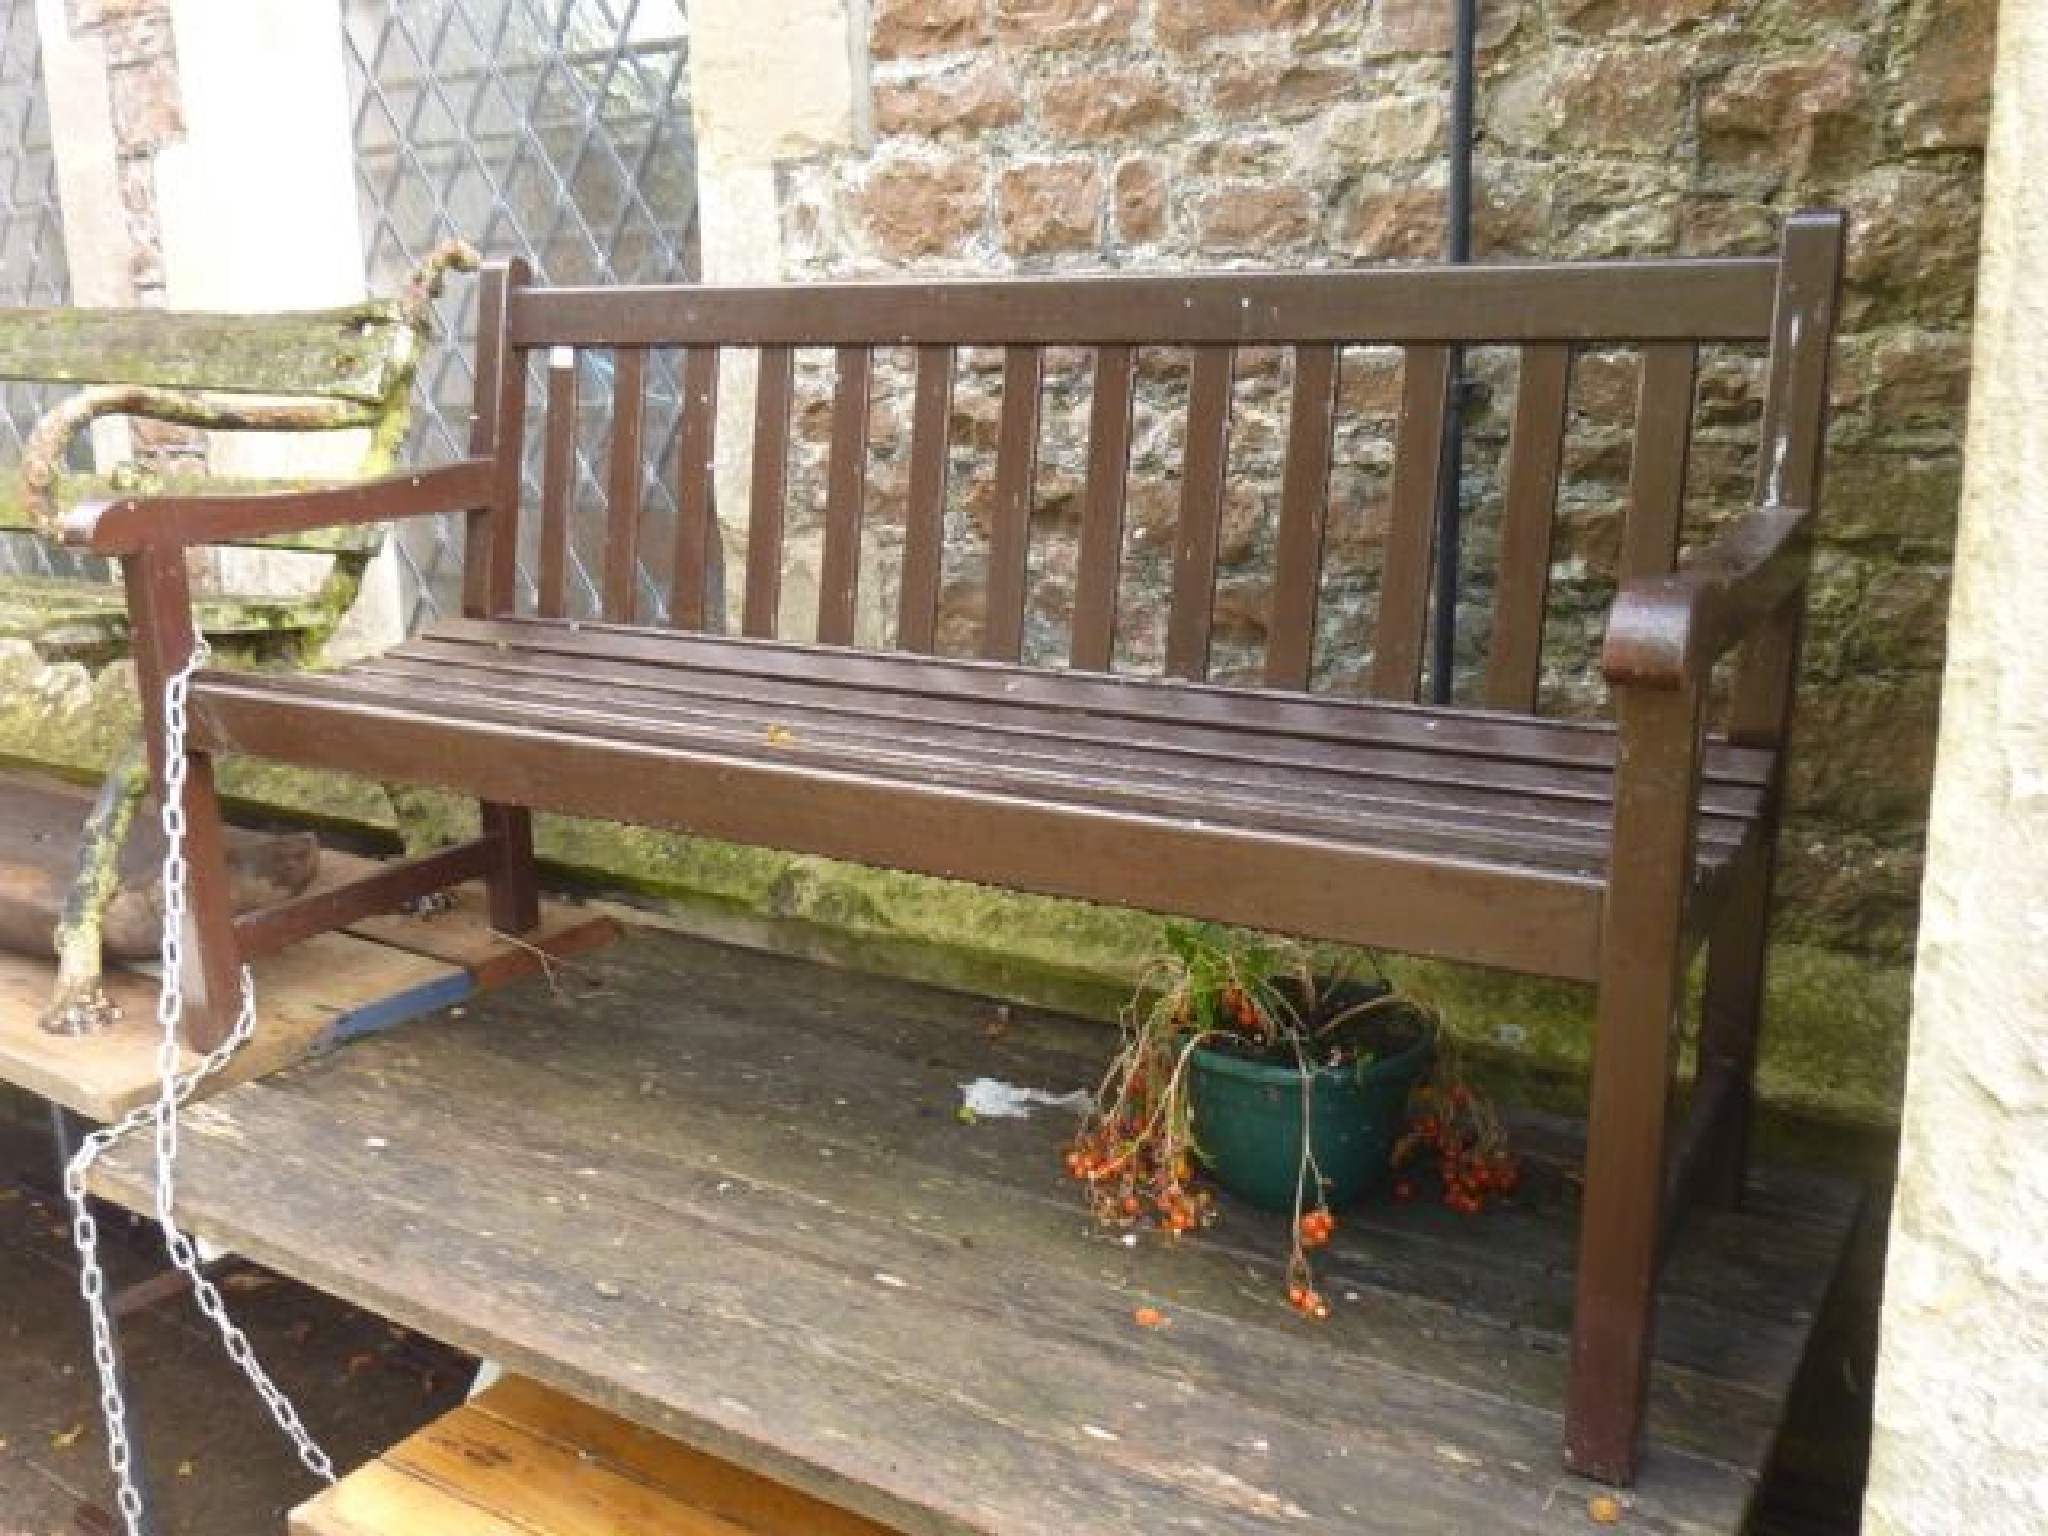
(174,1089)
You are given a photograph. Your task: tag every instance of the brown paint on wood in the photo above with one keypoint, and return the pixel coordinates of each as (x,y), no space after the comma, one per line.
(557,486)
(490,566)
(1009,547)
(690,562)
(1718,299)
(1528,515)
(622,488)
(1191,611)
(1102,509)
(1663,443)
(839,579)
(1304,507)
(1404,576)
(760,614)
(924,530)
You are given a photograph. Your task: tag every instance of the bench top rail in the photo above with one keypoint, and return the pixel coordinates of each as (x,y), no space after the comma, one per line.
(1721,298)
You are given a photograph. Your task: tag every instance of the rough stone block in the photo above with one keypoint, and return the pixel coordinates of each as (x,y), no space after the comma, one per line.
(1111,103)
(1944,77)
(1378,221)
(1252,219)
(1387,131)
(1425,26)
(1189,24)
(1139,195)
(1905,379)
(1913,254)
(1063,23)
(1633,18)
(1728,227)
(1277,89)
(1793,116)
(924,207)
(1049,207)
(1622,99)
(909,29)
(966,101)
(1903,502)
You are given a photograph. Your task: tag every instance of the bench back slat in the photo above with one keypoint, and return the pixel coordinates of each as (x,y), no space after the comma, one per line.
(1009,545)
(623,475)
(1304,493)
(1102,508)
(691,562)
(924,518)
(1663,444)
(839,568)
(1404,573)
(1789,457)
(760,609)
(1193,603)
(557,484)
(490,568)
(1535,459)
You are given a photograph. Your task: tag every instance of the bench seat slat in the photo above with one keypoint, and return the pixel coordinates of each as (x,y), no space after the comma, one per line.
(744,752)
(1170,775)
(974,766)
(1548,791)
(1544,922)
(1491,736)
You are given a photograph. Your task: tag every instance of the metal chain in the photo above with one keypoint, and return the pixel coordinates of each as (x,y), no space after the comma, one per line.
(174,1090)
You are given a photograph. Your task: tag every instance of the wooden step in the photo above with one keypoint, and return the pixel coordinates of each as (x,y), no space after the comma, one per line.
(524,1460)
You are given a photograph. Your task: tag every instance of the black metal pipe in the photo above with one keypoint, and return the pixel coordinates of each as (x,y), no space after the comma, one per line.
(1450,463)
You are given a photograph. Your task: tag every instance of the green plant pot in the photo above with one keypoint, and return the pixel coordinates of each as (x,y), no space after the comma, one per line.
(1248,1122)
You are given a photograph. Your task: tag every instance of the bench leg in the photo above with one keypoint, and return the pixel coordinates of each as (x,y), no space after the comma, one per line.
(213,960)
(1731,1024)
(514,888)
(160,613)
(1642,975)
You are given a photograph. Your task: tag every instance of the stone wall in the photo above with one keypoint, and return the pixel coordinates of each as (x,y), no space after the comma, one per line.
(1079,135)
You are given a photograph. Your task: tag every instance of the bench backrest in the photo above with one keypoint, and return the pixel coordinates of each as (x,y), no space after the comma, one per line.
(1030,437)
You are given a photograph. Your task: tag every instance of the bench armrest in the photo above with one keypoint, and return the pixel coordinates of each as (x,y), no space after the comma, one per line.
(134,523)
(43,450)
(1668,631)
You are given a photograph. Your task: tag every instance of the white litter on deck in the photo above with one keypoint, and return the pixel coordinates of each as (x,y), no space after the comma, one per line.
(991,1098)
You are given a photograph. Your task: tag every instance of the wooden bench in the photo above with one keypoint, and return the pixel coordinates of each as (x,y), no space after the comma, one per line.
(1603,852)
(344,370)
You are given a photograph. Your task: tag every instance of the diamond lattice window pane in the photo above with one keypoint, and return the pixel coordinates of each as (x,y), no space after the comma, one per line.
(555,131)
(32,269)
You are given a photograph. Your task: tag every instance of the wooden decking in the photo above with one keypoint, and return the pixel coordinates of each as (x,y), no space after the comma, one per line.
(730,1197)
(311,996)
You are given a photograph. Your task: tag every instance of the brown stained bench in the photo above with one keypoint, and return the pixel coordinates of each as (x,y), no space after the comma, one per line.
(1604,852)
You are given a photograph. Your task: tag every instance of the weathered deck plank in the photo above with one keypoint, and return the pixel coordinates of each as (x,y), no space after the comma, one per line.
(310,996)
(728,1196)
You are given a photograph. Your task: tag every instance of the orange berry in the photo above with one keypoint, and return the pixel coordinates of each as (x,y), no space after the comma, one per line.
(1149,1317)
